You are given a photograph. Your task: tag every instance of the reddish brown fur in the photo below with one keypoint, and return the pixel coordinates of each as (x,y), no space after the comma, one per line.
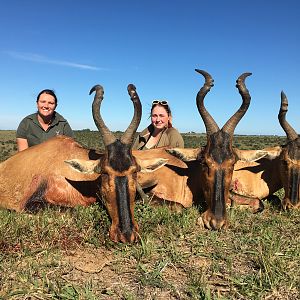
(255,181)
(25,172)
(21,175)
(252,181)
(173,182)
(40,174)
(261,179)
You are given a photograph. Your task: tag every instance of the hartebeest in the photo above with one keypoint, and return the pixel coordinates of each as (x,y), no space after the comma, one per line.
(216,160)
(62,172)
(253,182)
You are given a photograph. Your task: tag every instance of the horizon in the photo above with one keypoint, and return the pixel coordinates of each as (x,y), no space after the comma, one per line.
(184,133)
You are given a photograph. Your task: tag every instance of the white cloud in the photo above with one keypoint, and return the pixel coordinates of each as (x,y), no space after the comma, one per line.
(42,59)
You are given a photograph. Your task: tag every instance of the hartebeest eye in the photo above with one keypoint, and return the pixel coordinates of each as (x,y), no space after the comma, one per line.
(136,169)
(204,166)
(104,177)
(104,172)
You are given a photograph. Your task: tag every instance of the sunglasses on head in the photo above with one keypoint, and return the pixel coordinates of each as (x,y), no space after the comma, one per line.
(163,102)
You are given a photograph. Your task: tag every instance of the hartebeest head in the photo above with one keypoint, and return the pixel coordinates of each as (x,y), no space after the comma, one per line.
(289,159)
(118,169)
(217,158)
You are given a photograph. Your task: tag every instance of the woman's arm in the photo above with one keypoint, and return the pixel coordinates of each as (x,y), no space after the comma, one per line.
(22,144)
(176,140)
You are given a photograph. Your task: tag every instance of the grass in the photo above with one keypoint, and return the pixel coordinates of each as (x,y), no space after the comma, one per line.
(67,254)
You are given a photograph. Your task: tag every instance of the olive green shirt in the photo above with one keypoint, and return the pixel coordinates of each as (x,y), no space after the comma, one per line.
(170,137)
(31,130)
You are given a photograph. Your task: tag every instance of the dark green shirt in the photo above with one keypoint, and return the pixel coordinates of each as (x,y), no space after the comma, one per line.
(31,130)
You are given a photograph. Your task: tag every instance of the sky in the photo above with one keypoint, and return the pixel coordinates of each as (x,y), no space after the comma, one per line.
(71,45)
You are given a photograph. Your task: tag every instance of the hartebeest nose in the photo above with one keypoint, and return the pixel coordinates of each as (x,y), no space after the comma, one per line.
(211,222)
(218,224)
(124,237)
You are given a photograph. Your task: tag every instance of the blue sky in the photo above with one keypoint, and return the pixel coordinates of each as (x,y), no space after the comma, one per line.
(71,45)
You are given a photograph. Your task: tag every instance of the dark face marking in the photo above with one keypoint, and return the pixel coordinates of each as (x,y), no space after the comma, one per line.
(123,205)
(218,203)
(295,180)
(119,156)
(220,147)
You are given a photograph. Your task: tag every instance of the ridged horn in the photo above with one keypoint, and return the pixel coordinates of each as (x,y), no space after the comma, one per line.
(128,135)
(210,124)
(230,125)
(290,132)
(107,135)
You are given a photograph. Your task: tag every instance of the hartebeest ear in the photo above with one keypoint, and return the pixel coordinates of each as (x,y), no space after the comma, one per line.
(254,155)
(250,155)
(273,152)
(151,165)
(185,154)
(84,166)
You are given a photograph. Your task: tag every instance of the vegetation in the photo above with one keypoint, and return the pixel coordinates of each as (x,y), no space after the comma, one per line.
(92,139)
(66,254)
(7,144)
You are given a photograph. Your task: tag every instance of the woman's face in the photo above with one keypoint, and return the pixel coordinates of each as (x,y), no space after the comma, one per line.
(46,105)
(159,117)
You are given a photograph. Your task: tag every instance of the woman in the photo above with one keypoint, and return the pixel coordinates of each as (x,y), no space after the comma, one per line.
(45,123)
(160,132)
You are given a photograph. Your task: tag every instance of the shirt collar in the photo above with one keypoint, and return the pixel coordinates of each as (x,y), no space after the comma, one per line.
(57,118)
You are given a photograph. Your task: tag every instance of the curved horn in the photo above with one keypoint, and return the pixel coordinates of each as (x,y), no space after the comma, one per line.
(210,124)
(108,137)
(128,135)
(290,132)
(230,125)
